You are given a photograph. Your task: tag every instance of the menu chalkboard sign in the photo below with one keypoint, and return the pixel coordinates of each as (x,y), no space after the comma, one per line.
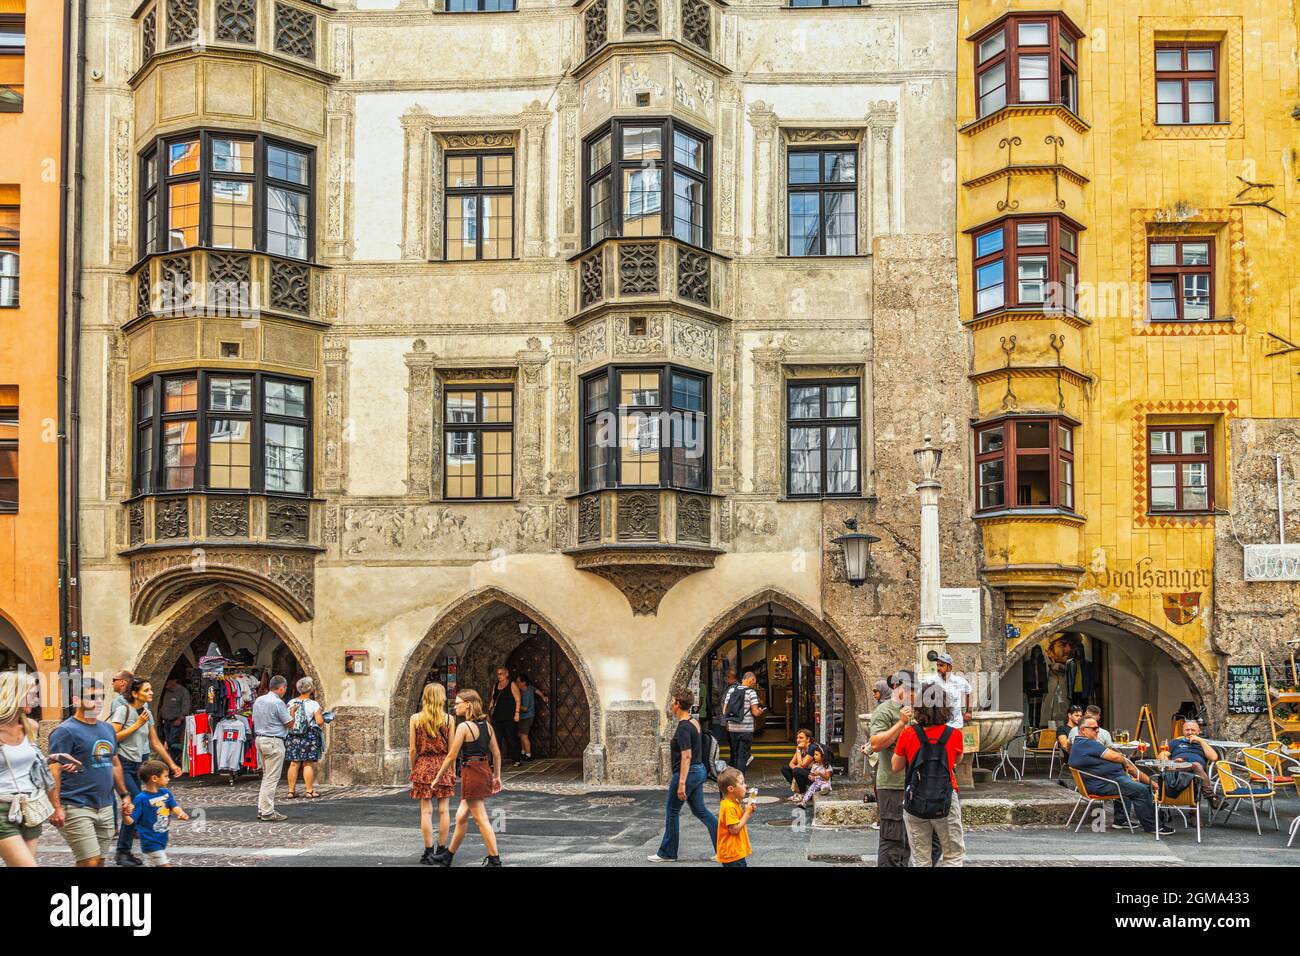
(1247,693)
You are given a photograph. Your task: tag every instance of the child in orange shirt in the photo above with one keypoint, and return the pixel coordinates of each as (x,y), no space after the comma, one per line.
(733,837)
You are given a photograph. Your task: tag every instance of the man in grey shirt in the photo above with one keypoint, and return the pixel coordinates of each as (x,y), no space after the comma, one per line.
(741,731)
(272,719)
(172,711)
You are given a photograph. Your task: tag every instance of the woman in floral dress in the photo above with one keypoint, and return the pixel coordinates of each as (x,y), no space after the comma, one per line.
(430,738)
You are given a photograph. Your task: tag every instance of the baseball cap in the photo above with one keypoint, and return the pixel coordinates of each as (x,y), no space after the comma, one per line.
(943,659)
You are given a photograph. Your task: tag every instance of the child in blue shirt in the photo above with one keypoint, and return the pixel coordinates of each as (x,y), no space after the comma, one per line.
(154,809)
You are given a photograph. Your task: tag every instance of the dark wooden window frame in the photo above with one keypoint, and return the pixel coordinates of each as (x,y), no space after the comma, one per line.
(478,427)
(14,245)
(822,422)
(1177,460)
(1009,454)
(19,20)
(822,4)
(1059,62)
(480,6)
(258,416)
(480,192)
(613,477)
(1010,254)
(1184,76)
(1176,272)
(821,188)
(669,125)
(260,179)
(11,413)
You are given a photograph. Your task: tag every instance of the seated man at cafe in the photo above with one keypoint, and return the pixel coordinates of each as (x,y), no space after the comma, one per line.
(1103,735)
(1089,756)
(1192,749)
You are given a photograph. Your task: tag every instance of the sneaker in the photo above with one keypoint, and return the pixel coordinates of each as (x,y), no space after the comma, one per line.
(517,763)
(427,856)
(441,858)
(656,858)
(271,817)
(875,826)
(1165,831)
(1119,825)
(491,861)
(125,858)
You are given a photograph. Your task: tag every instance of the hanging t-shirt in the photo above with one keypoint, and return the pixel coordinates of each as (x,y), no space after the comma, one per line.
(198,747)
(153,815)
(228,741)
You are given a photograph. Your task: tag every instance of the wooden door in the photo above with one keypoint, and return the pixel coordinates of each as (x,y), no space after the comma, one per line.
(562,727)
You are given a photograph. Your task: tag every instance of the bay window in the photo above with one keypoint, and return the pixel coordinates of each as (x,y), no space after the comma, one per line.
(1029,262)
(222,431)
(645,427)
(647,178)
(1024,463)
(226,191)
(1026,59)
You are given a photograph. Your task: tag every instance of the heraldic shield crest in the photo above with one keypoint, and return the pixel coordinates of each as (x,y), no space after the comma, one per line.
(1181,607)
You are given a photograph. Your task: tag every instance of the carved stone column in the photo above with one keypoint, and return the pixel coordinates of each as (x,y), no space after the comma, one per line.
(731,131)
(724,475)
(532,149)
(118,415)
(570,148)
(338,177)
(122,173)
(764,121)
(881,120)
(337,432)
(531,417)
(416,182)
(423,438)
(767,419)
(564,457)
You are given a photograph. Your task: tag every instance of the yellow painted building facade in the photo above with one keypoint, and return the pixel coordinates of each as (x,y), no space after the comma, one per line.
(1129,230)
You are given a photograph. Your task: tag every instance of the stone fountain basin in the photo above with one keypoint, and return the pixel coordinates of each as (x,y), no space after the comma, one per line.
(997,727)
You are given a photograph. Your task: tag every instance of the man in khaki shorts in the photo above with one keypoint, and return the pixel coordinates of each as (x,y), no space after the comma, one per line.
(83,800)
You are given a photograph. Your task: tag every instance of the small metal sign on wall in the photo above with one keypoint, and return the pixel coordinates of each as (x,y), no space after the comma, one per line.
(1272,562)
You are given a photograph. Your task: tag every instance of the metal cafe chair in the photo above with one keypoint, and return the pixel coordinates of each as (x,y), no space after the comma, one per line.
(1186,802)
(1295,824)
(1236,785)
(1099,798)
(1268,762)
(1046,747)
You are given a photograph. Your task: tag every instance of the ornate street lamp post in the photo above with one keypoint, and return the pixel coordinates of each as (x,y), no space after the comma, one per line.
(930,633)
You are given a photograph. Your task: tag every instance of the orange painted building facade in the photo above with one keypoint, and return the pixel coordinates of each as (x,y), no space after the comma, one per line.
(31,150)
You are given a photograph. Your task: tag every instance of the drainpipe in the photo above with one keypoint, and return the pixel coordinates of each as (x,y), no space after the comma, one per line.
(1281,515)
(70,295)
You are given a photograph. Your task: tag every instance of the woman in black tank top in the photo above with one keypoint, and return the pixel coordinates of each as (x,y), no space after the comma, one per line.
(475,743)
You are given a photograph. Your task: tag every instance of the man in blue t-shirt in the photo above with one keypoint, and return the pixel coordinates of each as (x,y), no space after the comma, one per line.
(1089,756)
(1191,749)
(83,800)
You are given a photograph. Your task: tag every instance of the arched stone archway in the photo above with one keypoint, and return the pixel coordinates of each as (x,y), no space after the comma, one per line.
(789,611)
(1203,684)
(169,641)
(13,640)
(405,697)
(784,606)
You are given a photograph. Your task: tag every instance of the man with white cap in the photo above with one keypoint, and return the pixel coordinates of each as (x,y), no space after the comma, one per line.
(956,689)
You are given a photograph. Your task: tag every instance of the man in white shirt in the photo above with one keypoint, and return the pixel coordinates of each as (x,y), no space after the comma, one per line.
(956,690)
(740,718)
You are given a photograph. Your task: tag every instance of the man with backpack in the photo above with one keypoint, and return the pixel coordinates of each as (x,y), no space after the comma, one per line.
(929,751)
(740,707)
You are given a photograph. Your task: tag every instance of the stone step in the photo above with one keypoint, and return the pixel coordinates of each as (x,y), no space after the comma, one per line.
(975,812)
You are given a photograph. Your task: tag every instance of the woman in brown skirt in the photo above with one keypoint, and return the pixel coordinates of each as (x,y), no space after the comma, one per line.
(480,776)
(430,740)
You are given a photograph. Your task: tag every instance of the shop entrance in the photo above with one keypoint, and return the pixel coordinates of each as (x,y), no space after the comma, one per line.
(801,684)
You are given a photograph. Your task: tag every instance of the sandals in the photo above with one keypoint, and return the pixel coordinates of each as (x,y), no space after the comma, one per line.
(312,795)
(291,796)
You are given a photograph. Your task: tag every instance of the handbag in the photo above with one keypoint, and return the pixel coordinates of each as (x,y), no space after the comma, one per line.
(35,809)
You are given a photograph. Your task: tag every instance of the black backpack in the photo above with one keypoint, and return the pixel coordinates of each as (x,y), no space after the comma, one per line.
(733,705)
(927,793)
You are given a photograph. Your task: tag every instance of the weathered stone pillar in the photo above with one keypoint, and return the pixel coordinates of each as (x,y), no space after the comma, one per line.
(356,746)
(930,633)
(338,176)
(632,742)
(531,422)
(763,119)
(881,120)
(767,419)
(335,431)
(532,150)
(423,440)
(416,176)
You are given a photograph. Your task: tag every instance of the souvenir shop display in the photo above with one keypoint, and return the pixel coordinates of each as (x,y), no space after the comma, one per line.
(219,735)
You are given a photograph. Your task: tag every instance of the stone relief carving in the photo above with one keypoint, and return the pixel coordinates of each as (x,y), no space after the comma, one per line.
(697,23)
(693,519)
(638,268)
(592,344)
(640,16)
(644,575)
(595,24)
(693,275)
(638,78)
(291,572)
(422,421)
(287,519)
(227,517)
(135,524)
(149,35)
(588,519)
(384,531)
(651,343)
(755,519)
(600,86)
(171,518)
(593,279)
(295,32)
(237,21)
(290,287)
(694,340)
(122,162)
(560,525)
(693,91)
(638,516)
(182,21)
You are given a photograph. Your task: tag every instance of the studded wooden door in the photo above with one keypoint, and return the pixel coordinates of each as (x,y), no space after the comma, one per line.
(562,727)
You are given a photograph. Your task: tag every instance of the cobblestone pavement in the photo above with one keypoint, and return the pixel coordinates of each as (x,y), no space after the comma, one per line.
(537,826)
